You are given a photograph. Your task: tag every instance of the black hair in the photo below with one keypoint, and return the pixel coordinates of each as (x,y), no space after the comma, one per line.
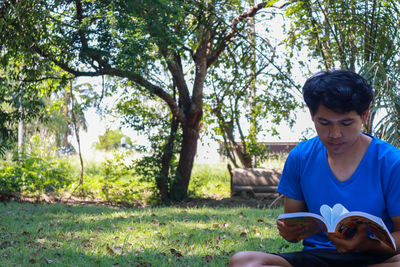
(341,91)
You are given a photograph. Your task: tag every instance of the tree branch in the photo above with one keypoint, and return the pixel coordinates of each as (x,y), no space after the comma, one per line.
(158,91)
(231,35)
(324,53)
(79,16)
(176,69)
(108,70)
(334,33)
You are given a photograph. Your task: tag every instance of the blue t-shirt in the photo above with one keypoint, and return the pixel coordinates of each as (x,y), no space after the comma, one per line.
(374,187)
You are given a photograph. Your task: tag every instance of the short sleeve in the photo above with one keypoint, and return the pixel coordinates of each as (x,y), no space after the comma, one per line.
(289,184)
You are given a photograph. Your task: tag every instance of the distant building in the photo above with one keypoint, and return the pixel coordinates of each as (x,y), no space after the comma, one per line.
(274,147)
(279,147)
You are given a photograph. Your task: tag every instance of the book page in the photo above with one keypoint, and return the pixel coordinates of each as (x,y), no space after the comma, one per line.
(332,215)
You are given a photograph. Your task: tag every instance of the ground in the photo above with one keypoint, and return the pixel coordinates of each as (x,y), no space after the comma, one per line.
(258,202)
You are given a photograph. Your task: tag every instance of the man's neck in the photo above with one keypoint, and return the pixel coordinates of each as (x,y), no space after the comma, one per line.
(343,165)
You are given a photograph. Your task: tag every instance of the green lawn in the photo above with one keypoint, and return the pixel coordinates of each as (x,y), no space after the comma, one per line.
(90,235)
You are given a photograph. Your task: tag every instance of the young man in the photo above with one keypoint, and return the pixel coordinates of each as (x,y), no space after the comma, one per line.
(340,165)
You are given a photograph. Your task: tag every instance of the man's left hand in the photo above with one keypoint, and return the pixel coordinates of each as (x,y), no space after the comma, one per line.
(360,241)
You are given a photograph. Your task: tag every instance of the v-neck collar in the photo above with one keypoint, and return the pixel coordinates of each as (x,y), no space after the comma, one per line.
(355,175)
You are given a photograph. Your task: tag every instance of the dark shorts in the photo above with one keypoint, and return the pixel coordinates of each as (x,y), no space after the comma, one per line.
(332,258)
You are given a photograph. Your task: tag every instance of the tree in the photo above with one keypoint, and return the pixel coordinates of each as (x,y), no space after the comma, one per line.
(249,93)
(19,93)
(387,103)
(78,121)
(361,36)
(111,140)
(156,45)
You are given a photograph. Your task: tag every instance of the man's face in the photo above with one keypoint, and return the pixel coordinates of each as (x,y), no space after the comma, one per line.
(338,131)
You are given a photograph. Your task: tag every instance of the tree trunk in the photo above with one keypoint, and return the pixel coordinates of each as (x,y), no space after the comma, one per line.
(193,109)
(168,151)
(240,149)
(248,159)
(245,159)
(188,152)
(78,140)
(235,148)
(65,111)
(20,130)
(80,154)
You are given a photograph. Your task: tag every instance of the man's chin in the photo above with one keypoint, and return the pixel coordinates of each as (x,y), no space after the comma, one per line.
(335,148)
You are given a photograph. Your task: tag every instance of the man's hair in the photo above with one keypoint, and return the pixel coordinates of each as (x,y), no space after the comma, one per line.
(341,91)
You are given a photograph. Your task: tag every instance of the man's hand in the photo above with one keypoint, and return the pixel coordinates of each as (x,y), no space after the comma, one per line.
(359,241)
(289,233)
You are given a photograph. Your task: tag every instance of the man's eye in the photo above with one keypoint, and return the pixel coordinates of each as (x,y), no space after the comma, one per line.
(324,123)
(347,123)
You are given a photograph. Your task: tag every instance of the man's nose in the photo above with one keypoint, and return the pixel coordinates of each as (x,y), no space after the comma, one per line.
(335,131)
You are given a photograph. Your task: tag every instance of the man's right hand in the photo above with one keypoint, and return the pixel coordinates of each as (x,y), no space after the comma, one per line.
(289,233)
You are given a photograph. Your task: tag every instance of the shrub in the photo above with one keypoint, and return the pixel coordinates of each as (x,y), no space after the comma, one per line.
(10,180)
(115,180)
(44,175)
(33,175)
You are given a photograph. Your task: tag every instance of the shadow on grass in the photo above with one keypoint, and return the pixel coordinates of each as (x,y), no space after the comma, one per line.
(103,236)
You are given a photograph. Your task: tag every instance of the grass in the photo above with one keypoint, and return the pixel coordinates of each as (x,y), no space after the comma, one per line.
(210,181)
(275,161)
(95,235)
(213,180)
(90,235)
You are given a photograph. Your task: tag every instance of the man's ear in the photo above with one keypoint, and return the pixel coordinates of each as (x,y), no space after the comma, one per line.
(364,116)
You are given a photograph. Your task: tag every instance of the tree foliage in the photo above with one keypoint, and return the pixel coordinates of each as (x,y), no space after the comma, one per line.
(20,98)
(163,47)
(362,36)
(250,97)
(346,34)
(386,104)
(112,140)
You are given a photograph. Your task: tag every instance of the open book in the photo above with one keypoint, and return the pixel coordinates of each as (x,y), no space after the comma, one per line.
(340,221)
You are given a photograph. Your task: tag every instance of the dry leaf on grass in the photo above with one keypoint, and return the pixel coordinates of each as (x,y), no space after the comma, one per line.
(176,253)
(208,258)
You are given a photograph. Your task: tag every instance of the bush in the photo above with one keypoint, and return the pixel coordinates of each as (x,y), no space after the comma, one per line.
(45,175)
(10,180)
(115,181)
(33,175)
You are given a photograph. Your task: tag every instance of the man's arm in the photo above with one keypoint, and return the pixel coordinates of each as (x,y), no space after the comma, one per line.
(360,241)
(293,205)
(290,233)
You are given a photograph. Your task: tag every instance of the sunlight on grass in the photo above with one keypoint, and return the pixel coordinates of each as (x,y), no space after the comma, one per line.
(210,181)
(90,235)
(103,236)
(275,161)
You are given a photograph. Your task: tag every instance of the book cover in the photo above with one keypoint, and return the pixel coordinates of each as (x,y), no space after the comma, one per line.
(340,221)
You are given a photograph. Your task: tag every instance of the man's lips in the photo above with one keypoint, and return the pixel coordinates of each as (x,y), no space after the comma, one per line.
(335,144)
